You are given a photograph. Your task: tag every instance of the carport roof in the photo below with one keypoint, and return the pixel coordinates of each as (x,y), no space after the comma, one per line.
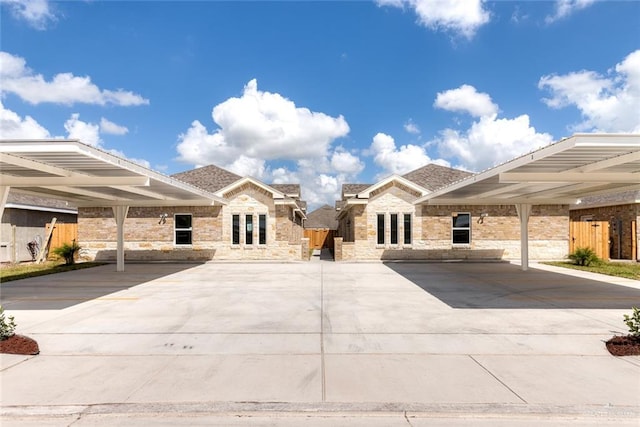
(562,173)
(86,176)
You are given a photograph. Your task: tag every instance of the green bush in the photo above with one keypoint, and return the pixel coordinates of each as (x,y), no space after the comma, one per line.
(633,322)
(584,256)
(68,252)
(7,326)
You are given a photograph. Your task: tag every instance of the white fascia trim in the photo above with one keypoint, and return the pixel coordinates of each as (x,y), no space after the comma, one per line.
(275,193)
(145,203)
(365,194)
(499,202)
(40,208)
(300,212)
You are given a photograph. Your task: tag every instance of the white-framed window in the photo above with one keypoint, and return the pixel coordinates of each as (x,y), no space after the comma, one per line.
(248,229)
(380,228)
(393,229)
(235,229)
(461,228)
(406,223)
(262,229)
(183,229)
(245,230)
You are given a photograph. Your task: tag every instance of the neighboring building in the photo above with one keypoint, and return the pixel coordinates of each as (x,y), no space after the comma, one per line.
(257,221)
(386,221)
(24,220)
(619,215)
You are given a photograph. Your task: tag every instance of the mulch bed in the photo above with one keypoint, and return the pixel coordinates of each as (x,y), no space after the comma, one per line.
(624,345)
(19,344)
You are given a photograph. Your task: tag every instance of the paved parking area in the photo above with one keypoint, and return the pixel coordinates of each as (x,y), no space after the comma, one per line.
(360,343)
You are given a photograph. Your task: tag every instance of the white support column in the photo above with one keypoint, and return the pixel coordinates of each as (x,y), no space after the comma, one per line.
(524,210)
(120,213)
(4,193)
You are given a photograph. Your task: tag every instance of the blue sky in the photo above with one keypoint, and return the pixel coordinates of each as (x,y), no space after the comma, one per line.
(319,93)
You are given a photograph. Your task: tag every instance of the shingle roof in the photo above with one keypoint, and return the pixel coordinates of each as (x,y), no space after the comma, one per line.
(624,198)
(211,178)
(29,200)
(354,188)
(434,176)
(291,190)
(323,217)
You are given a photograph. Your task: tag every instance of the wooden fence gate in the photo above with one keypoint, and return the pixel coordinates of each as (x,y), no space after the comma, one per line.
(62,233)
(591,234)
(319,238)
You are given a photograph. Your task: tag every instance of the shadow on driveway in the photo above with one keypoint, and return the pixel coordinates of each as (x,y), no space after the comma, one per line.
(62,290)
(504,285)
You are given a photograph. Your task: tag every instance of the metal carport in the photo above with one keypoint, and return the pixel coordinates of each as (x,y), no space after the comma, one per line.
(561,173)
(88,177)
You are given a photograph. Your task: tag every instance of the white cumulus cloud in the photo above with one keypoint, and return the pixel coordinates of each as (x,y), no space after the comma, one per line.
(12,126)
(107,126)
(260,127)
(608,103)
(411,127)
(462,17)
(63,88)
(36,13)
(564,8)
(345,162)
(466,99)
(89,133)
(398,160)
(489,140)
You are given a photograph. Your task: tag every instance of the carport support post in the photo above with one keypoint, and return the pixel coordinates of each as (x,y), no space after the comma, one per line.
(524,210)
(120,213)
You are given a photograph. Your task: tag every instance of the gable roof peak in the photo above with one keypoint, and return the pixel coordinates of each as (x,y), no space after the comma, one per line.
(211,177)
(433,176)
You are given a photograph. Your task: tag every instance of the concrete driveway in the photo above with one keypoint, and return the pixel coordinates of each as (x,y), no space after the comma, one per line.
(333,343)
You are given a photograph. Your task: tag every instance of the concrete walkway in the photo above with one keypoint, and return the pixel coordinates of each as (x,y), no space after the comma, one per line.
(321,343)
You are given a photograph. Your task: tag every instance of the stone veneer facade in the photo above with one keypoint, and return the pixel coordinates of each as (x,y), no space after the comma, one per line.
(147,237)
(494,236)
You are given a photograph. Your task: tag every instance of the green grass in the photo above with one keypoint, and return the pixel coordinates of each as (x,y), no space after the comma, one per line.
(619,269)
(25,270)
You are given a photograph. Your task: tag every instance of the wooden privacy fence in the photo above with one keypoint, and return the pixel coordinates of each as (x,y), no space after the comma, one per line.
(62,233)
(590,234)
(319,238)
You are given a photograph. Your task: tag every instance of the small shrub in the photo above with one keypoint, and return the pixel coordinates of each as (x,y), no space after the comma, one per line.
(7,326)
(584,256)
(633,322)
(68,252)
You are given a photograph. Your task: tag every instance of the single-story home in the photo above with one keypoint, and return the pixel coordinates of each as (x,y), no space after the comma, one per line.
(517,210)
(382,221)
(253,221)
